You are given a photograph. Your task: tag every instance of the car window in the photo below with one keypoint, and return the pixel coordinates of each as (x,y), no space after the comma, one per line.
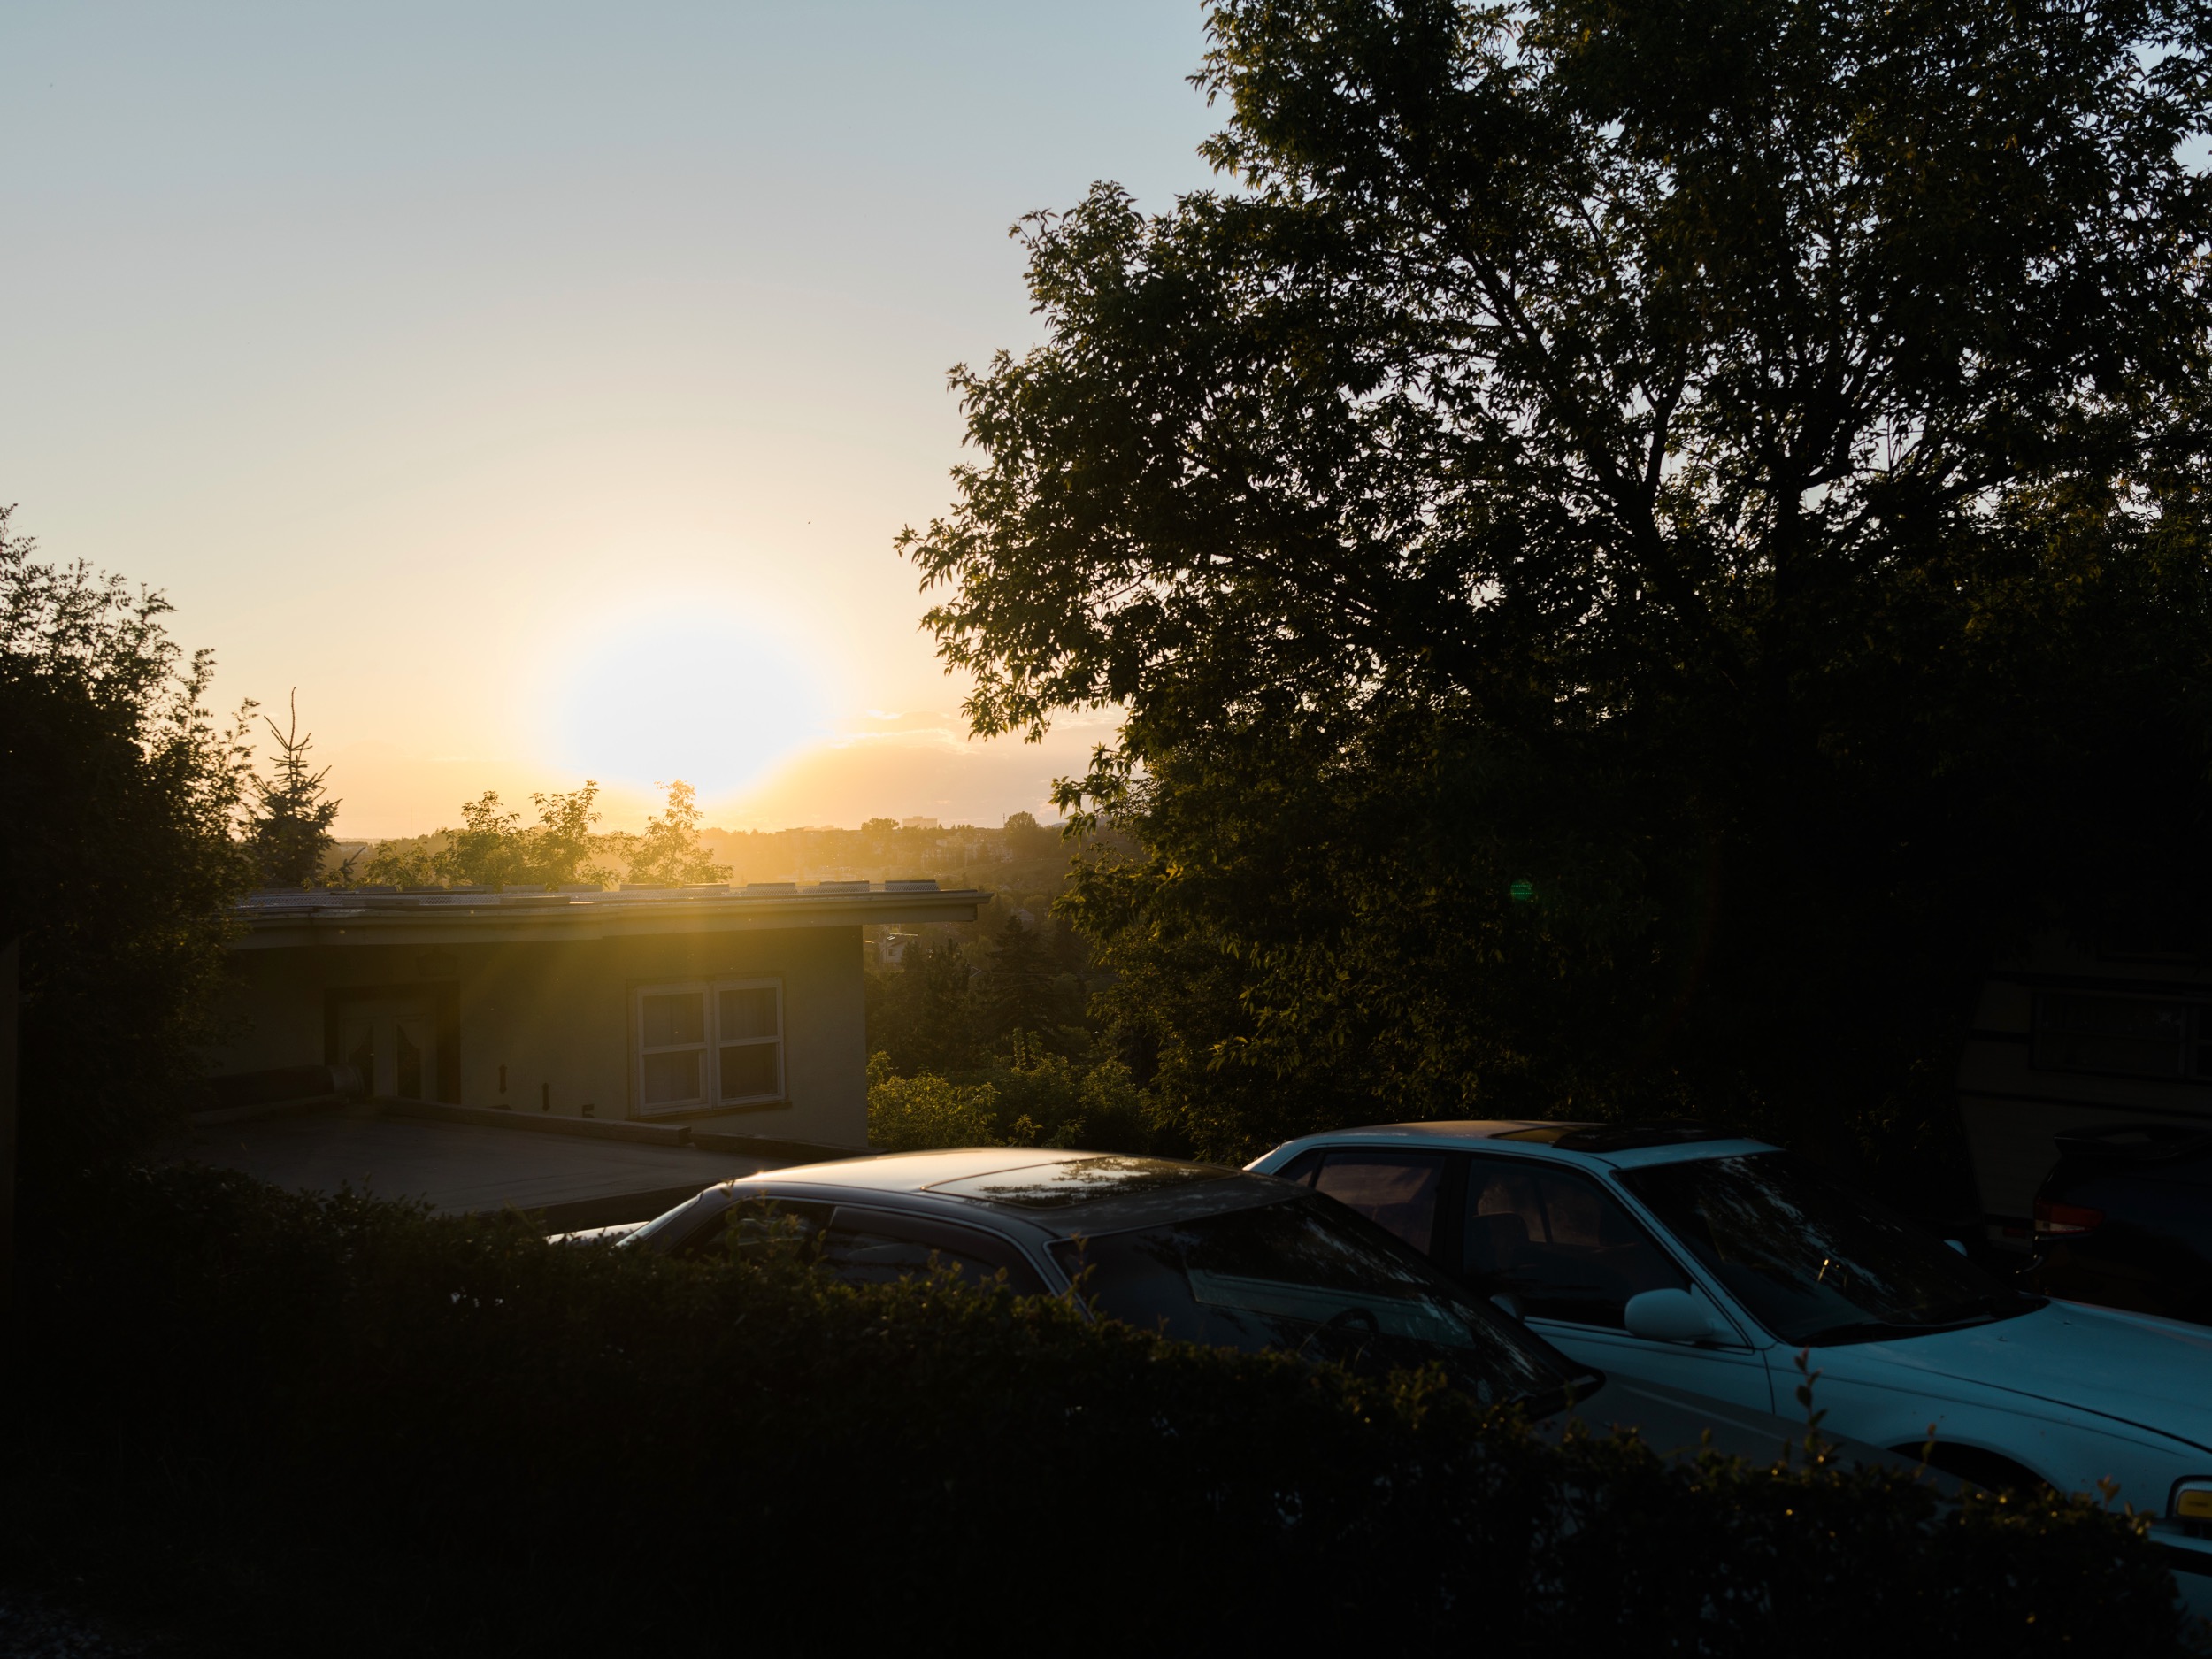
(866,1247)
(1814,1260)
(1309,1278)
(1558,1242)
(703,1229)
(1394,1190)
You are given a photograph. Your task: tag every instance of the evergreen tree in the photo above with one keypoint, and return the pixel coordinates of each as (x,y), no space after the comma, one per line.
(289,837)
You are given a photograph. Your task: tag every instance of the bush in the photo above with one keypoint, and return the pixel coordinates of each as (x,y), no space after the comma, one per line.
(286,1424)
(1034,1099)
(911,1114)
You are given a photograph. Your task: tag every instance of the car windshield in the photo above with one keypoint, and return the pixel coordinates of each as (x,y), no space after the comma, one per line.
(1308,1277)
(1813,1260)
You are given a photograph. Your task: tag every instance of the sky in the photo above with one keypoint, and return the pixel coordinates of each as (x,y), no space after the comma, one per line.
(538,389)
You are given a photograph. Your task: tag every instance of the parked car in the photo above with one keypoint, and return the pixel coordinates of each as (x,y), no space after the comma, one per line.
(2125,1220)
(1206,1254)
(1727,1268)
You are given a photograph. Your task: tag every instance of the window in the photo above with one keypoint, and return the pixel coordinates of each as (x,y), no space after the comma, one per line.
(1396,1190)
(718,1043)
(873,1248)
(1304,1277)
(2133,1036)
(1559,1243)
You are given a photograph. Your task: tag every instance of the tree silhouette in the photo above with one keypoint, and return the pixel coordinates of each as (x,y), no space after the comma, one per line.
(289,837)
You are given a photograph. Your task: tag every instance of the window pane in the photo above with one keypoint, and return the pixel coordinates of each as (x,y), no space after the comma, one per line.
(1305,1277)
(671,1078)
(2111,1034)
(750,1013)
(1557,1242)
(1397,1190)
(749,1072)
(674,1017)
(871,1258)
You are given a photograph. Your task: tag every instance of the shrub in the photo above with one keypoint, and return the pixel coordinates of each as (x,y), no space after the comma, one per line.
(280,1424)
(911,1114)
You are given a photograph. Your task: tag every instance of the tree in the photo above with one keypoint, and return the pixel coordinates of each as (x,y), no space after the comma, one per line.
(669,851)
(1636,546)
(491,848)
(119,800)
(289,837)
(1022,988)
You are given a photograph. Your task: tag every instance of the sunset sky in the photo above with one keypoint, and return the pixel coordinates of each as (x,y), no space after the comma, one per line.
(539,388)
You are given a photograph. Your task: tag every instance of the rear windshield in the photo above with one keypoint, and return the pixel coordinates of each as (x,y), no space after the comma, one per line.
(1310,1278)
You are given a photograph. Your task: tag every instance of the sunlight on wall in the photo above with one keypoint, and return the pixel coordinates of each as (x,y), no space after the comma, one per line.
(716,700)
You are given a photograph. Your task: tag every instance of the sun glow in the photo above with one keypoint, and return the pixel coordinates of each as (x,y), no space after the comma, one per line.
(711,697)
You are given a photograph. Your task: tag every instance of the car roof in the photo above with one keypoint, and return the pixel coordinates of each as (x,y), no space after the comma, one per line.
(1061,1194)
(1614,1145)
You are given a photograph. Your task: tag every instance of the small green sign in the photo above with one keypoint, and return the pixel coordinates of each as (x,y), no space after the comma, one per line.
(1523,892)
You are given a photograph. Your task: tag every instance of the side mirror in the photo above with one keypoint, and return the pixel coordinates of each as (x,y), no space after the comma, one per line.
(1508,1304)
(1668,1315)
(1957,1244)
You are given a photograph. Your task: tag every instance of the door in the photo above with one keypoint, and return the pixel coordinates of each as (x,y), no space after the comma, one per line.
(393,1042)
(1556,1240)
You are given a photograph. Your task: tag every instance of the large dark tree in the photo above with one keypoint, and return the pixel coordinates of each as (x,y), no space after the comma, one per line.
(119,799)
(1636,544)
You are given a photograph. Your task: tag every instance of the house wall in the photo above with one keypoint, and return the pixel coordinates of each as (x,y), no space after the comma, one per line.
(557,1015)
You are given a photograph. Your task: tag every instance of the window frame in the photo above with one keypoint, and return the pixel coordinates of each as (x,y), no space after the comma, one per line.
(2192,1048)
(711,1100)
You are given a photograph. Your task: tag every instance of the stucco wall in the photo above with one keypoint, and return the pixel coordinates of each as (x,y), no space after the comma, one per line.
(557,1015)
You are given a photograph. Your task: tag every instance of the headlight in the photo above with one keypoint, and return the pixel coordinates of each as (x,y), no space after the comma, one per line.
(2192,1504)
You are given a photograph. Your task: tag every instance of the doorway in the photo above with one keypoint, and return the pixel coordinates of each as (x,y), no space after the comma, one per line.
(392,1042)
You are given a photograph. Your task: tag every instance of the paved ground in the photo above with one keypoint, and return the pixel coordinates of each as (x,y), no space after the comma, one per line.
(460,1169)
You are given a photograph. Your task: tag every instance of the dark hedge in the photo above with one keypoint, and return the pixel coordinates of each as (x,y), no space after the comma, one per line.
(269,1424)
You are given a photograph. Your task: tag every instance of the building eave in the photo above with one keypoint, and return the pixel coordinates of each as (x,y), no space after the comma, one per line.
(271,923)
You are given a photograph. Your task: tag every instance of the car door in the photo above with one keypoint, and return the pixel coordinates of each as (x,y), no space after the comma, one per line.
(1555,1241)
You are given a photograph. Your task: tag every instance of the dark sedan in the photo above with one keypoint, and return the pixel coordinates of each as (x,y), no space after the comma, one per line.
(1208,1255)
(2125,1220)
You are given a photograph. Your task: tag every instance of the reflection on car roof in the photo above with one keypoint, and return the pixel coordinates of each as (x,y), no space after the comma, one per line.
(1065,1181)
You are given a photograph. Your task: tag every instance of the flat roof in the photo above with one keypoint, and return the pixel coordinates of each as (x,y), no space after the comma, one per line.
(283,918)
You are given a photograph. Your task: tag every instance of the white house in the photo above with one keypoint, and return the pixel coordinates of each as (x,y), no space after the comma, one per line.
(731,1011)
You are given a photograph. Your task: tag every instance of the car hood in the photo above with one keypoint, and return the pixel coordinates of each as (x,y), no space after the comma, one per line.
(1675,1420)
(2121,1366)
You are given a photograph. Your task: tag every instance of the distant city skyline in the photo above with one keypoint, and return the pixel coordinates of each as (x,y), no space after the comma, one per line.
(539,390)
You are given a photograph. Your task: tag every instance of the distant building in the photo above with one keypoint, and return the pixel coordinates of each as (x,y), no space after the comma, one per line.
(892,948)
(731,1011)
(917,823)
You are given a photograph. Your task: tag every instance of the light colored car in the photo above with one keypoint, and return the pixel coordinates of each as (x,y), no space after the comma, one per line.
(1731,1269)
(1206,1253)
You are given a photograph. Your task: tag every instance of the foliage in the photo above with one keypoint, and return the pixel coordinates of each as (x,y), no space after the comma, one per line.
(492,848)
(668,852)
(246,1415)
(1030,1098)
(911,1114)
(118,797)
(1636,545)
(289,837)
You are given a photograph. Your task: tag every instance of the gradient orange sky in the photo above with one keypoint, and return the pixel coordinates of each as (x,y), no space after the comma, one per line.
(539,388)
